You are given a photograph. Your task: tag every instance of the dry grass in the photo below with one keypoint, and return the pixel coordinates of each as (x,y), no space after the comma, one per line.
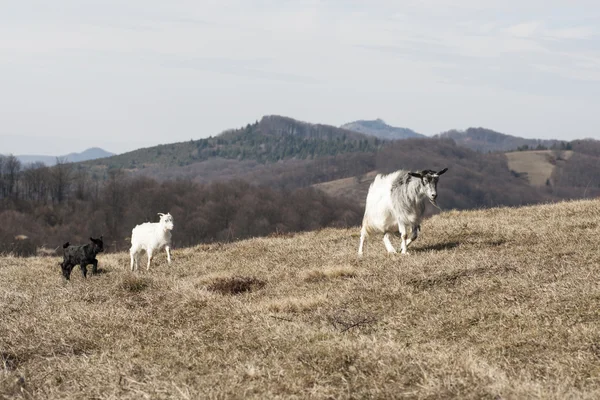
(497,304)
(352,188)
(538,164)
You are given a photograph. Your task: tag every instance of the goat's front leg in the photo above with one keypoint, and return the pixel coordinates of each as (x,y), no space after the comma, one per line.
(167,248)
(94,266)
(388,244)
(403,236)
(414,236)
(84,269)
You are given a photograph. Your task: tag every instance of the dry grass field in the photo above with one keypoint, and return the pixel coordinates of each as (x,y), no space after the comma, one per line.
(538,164)
(498,304)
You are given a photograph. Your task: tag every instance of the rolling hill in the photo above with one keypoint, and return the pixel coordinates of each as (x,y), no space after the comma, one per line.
(486,140)
(486,306)
(272,139)
(381,130)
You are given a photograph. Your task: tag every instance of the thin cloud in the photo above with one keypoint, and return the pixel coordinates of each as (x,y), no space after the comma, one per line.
(238,67)
(158,72)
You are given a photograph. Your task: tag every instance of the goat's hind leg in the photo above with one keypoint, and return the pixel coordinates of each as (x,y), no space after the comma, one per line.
(363,236)
(388,244)
(66,270)
(134,255)
(149,259)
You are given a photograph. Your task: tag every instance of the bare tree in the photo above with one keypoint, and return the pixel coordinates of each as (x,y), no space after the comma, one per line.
(114,201)
(36,180)
(12,169)
(61,179)
(81,180)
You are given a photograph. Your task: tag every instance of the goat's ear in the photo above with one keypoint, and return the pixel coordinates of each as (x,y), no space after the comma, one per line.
(92,239)
(416,175)
(442,171)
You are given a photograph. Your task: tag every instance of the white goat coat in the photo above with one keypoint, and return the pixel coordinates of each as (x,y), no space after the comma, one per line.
(395,204)
(381,212)
(150,236)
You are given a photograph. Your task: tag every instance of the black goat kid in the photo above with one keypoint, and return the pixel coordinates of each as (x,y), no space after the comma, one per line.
(81,255)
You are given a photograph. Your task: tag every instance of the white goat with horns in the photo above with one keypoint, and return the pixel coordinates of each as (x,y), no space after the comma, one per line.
(151,236)
(395,203)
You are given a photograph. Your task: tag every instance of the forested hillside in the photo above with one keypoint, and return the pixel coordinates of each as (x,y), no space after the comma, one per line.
(272,139)
(486,140)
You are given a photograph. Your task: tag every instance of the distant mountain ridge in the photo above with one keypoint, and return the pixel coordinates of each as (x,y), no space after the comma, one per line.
(485,140)
(381,130)
(89,154)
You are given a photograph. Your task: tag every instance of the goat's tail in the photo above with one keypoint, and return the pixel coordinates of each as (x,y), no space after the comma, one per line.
(65,245)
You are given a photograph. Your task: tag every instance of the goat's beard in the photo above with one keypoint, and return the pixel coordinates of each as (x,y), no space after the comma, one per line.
(434,203)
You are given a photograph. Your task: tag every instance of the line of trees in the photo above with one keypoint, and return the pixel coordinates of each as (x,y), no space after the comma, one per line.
(47,206)
(42,184)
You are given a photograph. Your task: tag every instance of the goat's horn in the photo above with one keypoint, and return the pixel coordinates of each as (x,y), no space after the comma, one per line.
(161,214)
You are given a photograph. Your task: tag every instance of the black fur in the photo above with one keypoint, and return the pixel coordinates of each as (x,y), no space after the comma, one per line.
(82,256)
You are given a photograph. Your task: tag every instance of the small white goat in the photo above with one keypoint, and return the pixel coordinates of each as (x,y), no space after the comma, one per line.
(395,203)
(151,236)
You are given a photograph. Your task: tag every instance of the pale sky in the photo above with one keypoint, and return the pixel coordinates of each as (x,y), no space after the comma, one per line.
(124,74)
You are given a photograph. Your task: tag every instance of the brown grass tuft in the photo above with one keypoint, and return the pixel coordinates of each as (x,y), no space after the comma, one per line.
(135,284)
(295,304)
(235,285)
(315,275)
(9,361)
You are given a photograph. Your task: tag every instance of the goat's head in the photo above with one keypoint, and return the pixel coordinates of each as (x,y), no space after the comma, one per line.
(166,220)
(429,180)
(98,244)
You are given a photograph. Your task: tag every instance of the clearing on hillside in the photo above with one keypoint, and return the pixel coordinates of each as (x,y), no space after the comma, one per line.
(500,304)
(352,188)
(537,164)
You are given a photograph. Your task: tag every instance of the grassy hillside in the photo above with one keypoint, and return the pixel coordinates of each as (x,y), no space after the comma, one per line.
(538,165)
(353,188)
(498,303)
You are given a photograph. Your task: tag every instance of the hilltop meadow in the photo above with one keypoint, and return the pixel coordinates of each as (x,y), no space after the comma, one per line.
(500,303)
